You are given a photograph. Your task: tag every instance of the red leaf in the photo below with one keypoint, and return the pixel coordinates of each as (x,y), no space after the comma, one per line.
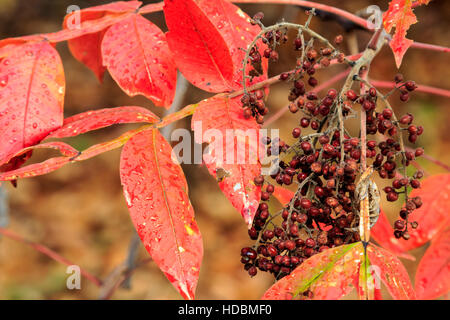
(136,54)
(328,275)
(283,195)
(93,120)
(401,16)
(392,273)
(157,196)
(199,49)
(86,48)
(234,26)
(64,148)
(53,164)
(433,272)
(383,234)
(93,20)
(16,160)
(235,175)
(32,87)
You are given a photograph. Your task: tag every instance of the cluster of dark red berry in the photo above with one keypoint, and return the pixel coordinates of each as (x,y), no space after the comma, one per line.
(325,165)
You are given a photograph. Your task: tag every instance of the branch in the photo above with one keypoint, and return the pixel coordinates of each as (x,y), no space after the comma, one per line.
(420,87)
(49,253)
(432,159)
(339,12)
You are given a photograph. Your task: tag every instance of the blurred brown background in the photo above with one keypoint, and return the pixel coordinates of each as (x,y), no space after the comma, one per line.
(79,210)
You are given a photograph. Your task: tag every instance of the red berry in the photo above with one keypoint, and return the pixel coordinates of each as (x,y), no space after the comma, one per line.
(296,132)
(310,242)
(410,85)
(392,196)
(304,122)
(338,39)
(306,146)
(351,95)
(399,224)
(305,203)
(415,183)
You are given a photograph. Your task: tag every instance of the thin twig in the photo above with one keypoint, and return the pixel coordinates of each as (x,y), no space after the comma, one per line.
(49,253)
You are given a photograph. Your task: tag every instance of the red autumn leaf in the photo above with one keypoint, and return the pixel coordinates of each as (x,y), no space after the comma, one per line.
(199,49)
(93,120)
(234,164)
(328,275)
(32,87)
(87,48)
(235,28)
(433,272)
(383,234)
(283,195)
(136,54)
(16,160)
(9,44)
(401,16)
(156,193)
(392,273)
(64,148)
(53,164)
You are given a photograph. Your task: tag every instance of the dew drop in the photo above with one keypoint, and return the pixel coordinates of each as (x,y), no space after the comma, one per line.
(3,81)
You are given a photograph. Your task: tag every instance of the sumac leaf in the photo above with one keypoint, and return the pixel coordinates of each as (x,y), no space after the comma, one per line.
(401,16)
(232,160)
(283,195)
(392,273)
(32,87)
(96,119)
(235,28)
(328,275)
(156,193)
(87,48)
(64,148)
(136,54)
(92,20)
(433,272)
(199,49)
